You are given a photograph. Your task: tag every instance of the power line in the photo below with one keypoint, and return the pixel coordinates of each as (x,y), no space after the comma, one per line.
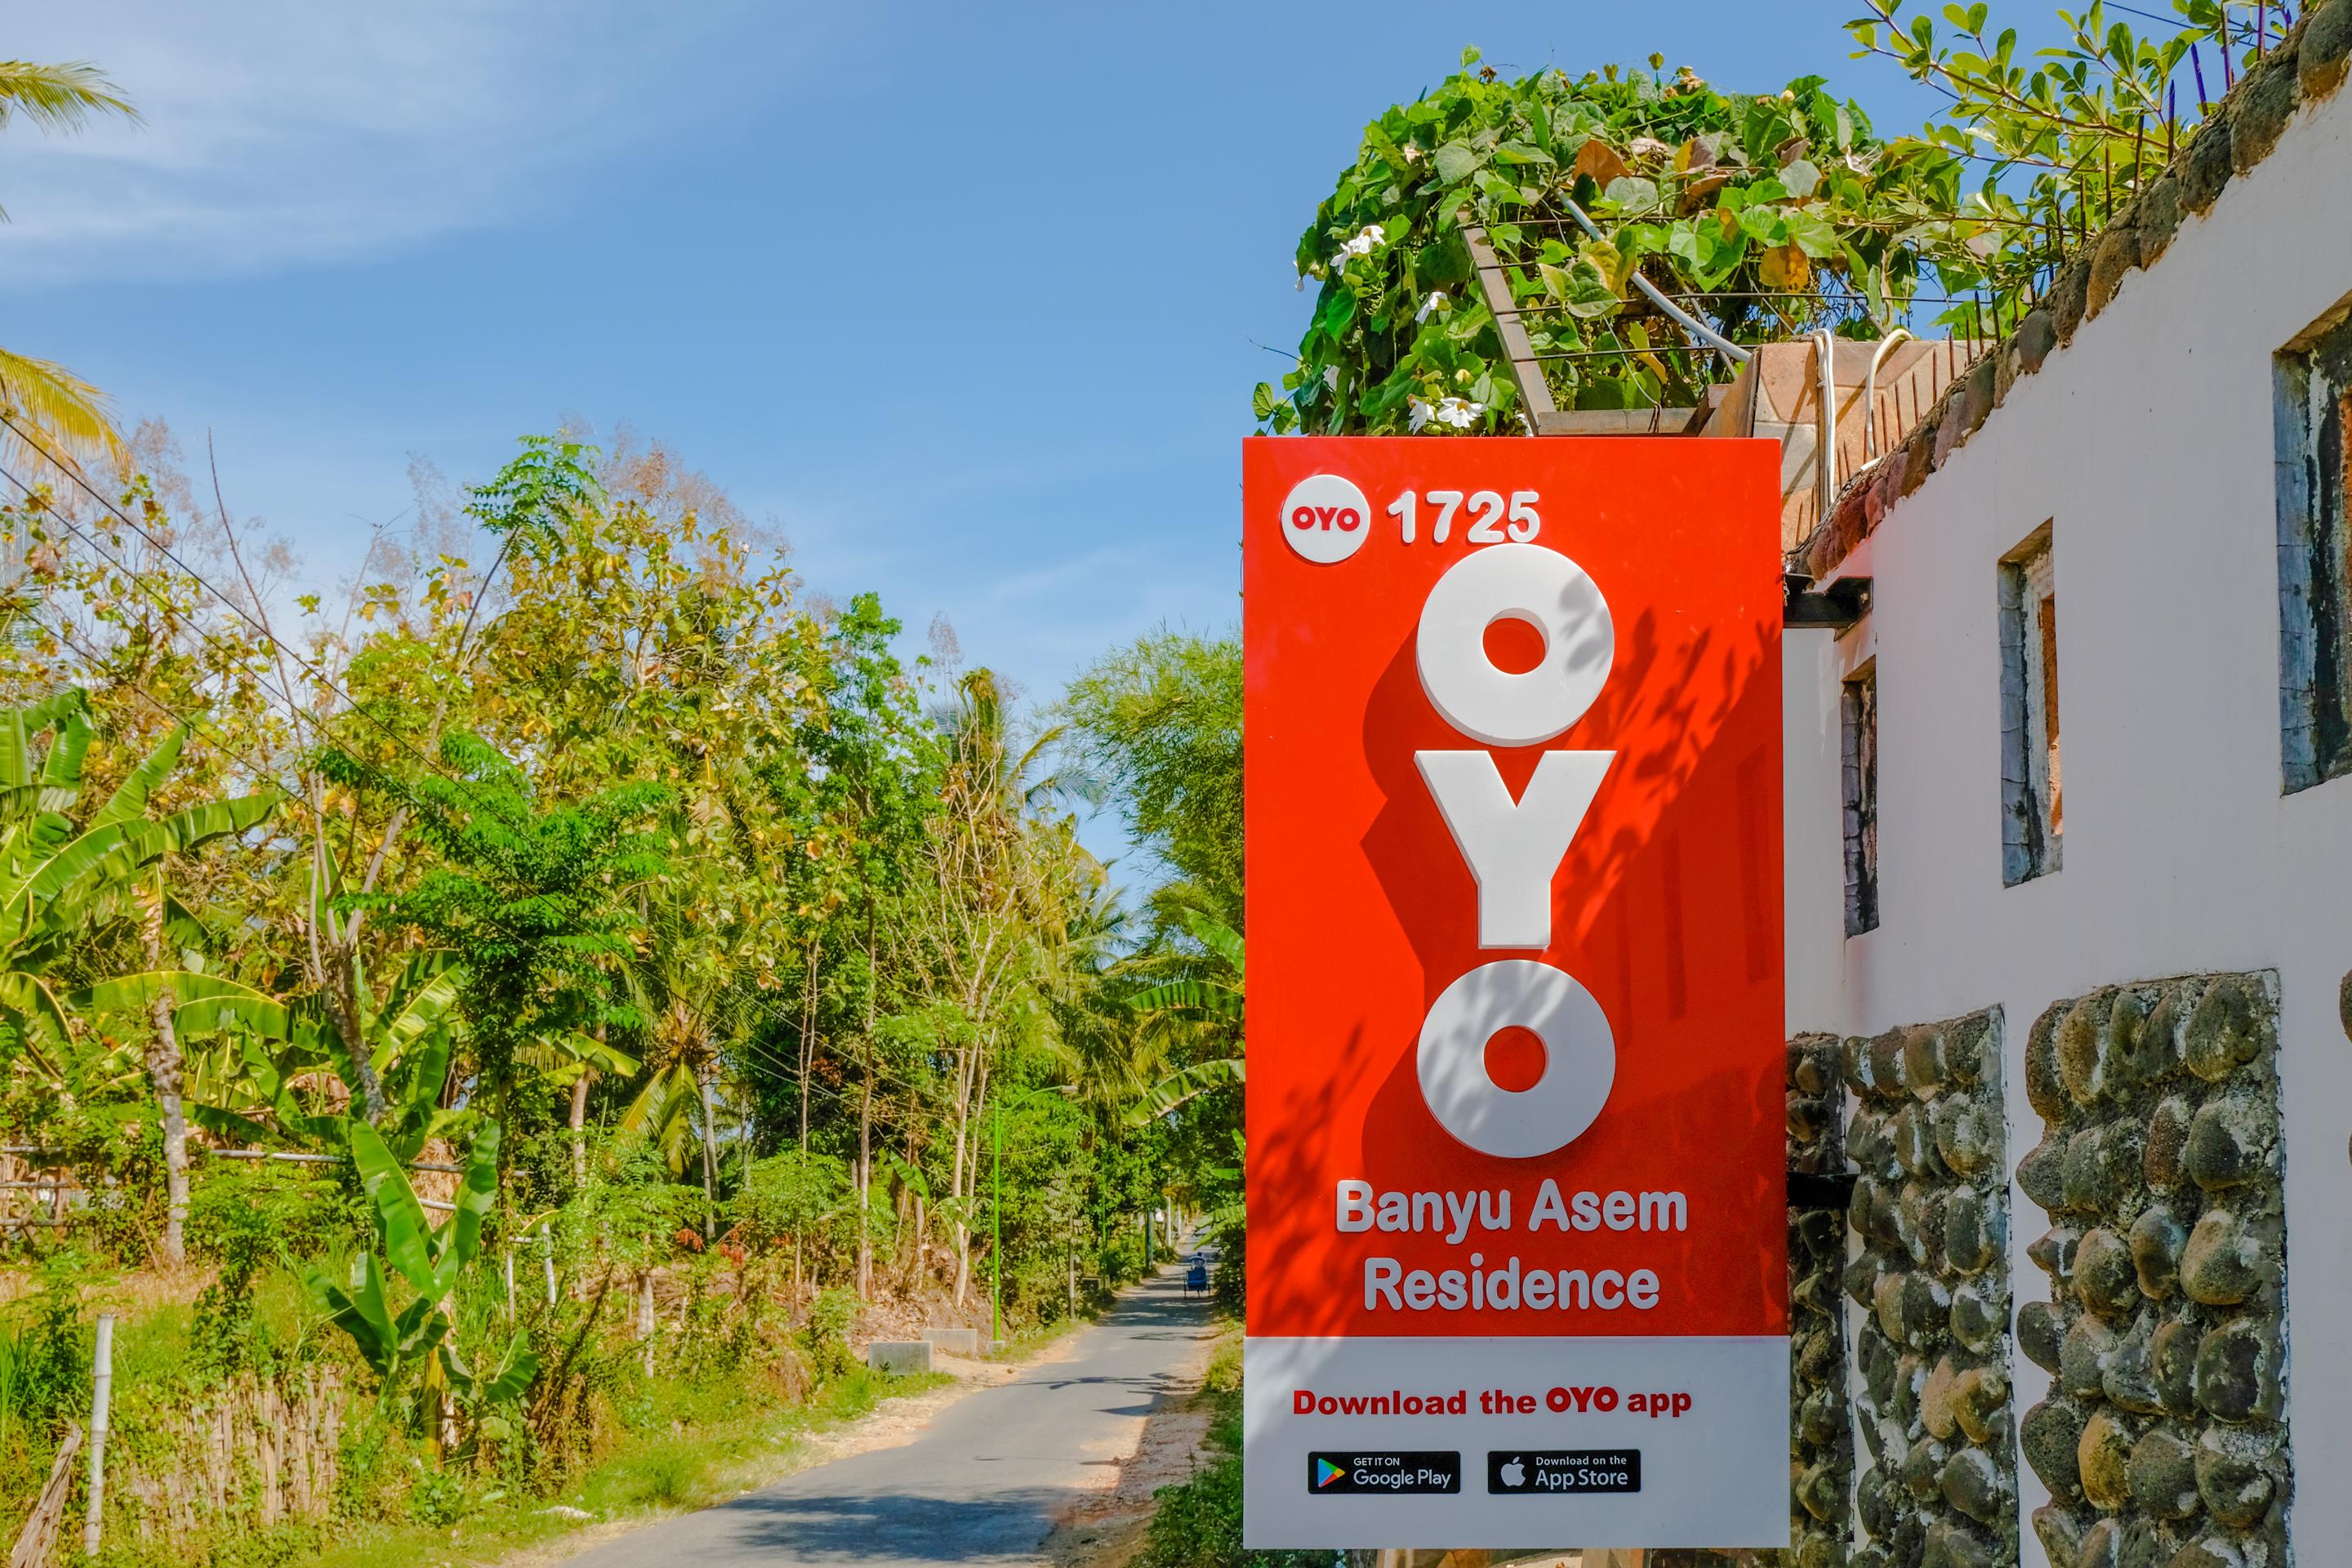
(211,733)
(794,1074)
(262,627)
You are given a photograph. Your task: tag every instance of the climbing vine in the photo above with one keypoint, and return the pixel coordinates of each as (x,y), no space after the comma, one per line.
(1763,216)
(1759,212)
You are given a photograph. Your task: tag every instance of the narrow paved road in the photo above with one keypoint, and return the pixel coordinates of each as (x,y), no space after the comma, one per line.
(984,1482)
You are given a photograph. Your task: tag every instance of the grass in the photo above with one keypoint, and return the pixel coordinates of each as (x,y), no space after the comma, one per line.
(713,1449)
(1198,1524)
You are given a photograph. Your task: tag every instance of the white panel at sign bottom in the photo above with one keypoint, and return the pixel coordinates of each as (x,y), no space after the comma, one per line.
(1678,1418)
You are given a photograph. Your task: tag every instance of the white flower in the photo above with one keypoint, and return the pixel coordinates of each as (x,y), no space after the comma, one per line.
(1460,413)
(1436,301)
(1412,153)
(1365,238)
(1416,414)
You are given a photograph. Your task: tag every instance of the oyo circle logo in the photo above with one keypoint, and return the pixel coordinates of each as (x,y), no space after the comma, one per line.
(1325,519)
(1580,1059)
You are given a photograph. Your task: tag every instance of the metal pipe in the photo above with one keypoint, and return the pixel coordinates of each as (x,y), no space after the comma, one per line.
(1675,312)
(1870,393)
(1825,427)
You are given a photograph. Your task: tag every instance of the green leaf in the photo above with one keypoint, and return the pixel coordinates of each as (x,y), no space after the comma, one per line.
(61,771)
(200,824)
(204,1004)
(1590,294)
(512,1377)
(399,1218)
(1456,161)
(26,997)
(130,800)
(1184,1084)
(1799,179)
(428,1007)
(460,1239)
(1633,195)
(1205,998)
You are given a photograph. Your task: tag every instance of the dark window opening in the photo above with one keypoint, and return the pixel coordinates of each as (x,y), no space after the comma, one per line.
(1859,729)
(2032,798)
(2315,409)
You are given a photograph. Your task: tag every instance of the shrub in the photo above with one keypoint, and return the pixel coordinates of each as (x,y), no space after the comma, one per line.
(825,1337)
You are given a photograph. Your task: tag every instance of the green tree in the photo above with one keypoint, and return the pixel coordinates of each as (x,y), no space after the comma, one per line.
(538,899)
(1156,726)
(67,417)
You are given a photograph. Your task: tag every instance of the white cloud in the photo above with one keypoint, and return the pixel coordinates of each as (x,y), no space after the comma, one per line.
(282,132)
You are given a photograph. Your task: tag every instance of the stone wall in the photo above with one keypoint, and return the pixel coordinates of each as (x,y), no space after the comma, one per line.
(1820,1434)
(2164,1441)
(1930,1206)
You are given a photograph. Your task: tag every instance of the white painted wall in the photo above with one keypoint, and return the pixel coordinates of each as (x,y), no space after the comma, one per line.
(2148,442)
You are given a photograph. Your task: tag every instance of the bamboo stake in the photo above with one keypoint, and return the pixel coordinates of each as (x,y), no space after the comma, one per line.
(101,1390)
(40,1532)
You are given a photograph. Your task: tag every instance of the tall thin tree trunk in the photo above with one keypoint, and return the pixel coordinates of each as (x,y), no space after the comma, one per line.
(956,1231)
(808,1041)
(710,1158)
(978,1102)
(163,1070)
(580,1124)
(865,1128)
(865,1182)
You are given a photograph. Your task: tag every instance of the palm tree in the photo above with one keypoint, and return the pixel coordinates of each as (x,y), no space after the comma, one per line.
(1198,1000)
(62,416)
(690,1017)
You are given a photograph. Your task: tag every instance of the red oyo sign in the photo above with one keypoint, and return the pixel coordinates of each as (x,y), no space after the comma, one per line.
(1517,1194)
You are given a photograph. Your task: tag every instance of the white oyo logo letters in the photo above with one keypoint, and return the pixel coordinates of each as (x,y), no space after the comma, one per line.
(1514,847)
(1325,519)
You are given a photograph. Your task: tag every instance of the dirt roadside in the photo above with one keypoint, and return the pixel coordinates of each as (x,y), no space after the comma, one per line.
(1107,1529)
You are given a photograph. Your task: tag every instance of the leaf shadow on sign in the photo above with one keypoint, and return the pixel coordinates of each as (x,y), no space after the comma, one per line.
(1290,1150)
(1682,719)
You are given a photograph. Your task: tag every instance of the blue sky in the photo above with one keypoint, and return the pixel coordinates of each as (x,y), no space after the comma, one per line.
(964,301)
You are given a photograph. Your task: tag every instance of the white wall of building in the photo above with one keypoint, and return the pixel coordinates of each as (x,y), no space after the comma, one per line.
(2149,444)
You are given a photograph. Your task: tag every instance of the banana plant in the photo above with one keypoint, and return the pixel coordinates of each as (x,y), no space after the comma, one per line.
(267,1043)
(431,1261)
(59,882)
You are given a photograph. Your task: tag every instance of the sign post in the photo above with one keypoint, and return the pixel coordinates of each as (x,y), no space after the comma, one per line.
(1516,1248)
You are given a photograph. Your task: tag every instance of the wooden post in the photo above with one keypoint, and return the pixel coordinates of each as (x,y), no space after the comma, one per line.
(101,1389)
(645,1315)
(1494,285)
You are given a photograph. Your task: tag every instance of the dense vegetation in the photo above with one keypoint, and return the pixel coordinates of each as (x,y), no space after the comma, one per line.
(1762,216)
(633,963)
